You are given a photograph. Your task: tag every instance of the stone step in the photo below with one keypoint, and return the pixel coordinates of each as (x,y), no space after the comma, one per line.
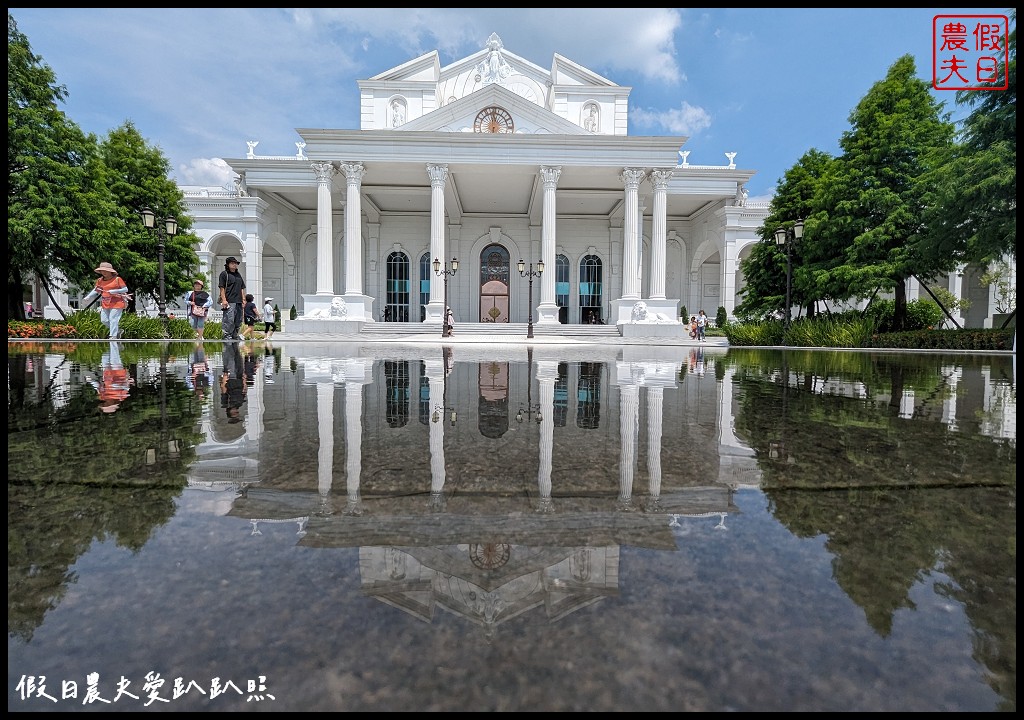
(382,328)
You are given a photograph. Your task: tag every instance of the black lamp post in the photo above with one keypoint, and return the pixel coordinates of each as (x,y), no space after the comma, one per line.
(531,274)
(446,329)
(531,408)
(783,238)
(170,229)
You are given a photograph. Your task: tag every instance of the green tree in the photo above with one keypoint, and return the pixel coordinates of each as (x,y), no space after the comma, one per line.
(138,177)
(764,270)
(59,217)
(980,188)
(868,226)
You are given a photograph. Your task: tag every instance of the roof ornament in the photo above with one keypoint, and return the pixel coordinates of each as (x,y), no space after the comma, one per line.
(494,69)
(732,160)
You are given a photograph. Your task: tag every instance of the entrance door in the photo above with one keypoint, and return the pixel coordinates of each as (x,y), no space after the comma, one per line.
(494,282)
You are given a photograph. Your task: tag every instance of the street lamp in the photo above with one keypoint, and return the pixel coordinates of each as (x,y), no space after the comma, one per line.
(530,408)
(446,329)
(784,238)
(531,273)
(170,229)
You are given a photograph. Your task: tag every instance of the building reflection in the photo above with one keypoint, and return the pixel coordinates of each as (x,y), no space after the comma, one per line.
(474,513)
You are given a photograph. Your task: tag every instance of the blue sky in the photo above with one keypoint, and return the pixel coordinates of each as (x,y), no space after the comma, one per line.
(768,84)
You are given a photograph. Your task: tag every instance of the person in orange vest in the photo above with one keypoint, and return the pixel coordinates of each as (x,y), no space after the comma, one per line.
(114,297)
(115,382)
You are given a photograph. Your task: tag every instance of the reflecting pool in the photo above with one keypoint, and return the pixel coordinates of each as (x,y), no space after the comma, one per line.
(389,527)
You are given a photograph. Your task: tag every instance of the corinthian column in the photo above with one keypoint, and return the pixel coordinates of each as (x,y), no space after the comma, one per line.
(324,228)
(353,237)
(632,177)
(353,446)
(629,429)
(438,178)
(547,311)
(547,373)
(659,222)
(655,411)
(325,453)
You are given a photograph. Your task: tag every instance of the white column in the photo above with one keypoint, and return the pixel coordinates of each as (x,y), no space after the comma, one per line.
(435,374)
(547,373)
(629,429)
(324,228)
(438,178)
(655,402)
(659,222)
(547,311)
(632,177)
(325,454)
(353,446)
(353,237)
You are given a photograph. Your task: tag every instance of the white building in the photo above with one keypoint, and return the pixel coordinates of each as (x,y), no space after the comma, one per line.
(490,160)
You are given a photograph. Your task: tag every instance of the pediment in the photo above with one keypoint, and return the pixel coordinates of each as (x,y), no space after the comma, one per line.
(565,72)
(426,67)
(460,114)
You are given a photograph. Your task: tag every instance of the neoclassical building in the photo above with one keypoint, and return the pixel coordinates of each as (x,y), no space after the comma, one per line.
(488,161)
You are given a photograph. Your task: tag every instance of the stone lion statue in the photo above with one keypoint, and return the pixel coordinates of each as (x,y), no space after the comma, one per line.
(337,311)
(642,315)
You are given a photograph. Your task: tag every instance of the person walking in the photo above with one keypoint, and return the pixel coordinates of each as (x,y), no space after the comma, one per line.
(702,325)
(449,319)
(199,304)
(113,295)
(232,293)
(249,316)
(268,317)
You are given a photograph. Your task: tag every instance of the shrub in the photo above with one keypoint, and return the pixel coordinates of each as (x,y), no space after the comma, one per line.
(683,314)
(721,317)
(293,313)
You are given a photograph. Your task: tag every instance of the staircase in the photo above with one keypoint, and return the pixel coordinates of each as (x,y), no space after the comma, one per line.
(485,329)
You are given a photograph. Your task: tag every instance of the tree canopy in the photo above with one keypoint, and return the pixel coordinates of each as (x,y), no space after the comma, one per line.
(74,201)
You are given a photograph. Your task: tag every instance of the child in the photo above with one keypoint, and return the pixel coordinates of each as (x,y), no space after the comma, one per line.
(249,312)
(693,327)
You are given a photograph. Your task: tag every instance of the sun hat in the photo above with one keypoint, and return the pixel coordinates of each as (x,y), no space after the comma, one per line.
(105,267)
(267,299)
(199,283)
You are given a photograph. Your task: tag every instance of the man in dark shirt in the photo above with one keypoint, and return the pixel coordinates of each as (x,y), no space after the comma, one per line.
(232,295)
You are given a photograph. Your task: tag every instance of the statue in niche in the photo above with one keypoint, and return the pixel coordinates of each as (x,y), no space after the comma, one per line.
(397,113)
(494,68)
(590,122)
(337,311)
(252,148)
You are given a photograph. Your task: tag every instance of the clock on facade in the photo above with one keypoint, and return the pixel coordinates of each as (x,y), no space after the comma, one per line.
(493,120)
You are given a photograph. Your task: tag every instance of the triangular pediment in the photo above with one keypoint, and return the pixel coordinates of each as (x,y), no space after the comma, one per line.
(426,67)
(460,115)
(565,72)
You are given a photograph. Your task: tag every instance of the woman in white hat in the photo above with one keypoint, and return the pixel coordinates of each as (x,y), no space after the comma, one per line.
(114,298)
(268,317)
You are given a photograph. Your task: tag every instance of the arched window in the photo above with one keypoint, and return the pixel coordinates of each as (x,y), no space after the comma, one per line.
(588,396)
(396,384)
(591,290)
(396,306)
(424,284)
(562,287)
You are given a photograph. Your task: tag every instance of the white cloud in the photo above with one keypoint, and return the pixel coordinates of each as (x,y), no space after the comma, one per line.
(206,171)
(684,120)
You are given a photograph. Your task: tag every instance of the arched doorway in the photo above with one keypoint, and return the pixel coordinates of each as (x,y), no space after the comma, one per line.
(494,281)
(396,306)
(591,290)
(424,284)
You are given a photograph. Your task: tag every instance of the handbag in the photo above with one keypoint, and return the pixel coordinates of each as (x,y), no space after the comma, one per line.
(199,311)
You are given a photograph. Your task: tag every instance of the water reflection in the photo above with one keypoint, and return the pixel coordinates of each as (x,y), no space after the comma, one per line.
(674,495)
